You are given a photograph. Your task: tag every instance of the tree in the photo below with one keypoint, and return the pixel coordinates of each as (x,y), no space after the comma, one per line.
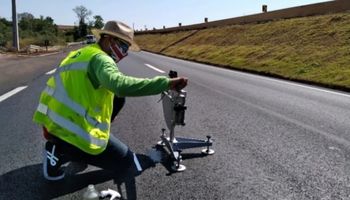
(82,13)
(25,16)
(32,31)
(76,34)
(25,21)
(5,31)
(83,29)
(98,22)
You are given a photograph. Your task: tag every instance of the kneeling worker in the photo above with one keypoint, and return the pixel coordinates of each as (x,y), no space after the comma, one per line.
(75,108)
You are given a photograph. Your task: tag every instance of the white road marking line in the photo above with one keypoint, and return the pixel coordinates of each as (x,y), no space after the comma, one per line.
(263,77)
(290,83)
(283,81)
(154,68)
(300,85)
(12,92)
(51,72)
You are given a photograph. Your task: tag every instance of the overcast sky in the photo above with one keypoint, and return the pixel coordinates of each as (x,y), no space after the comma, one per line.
(148,13)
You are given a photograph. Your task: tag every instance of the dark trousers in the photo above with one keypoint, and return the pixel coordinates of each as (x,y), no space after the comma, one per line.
(117,156)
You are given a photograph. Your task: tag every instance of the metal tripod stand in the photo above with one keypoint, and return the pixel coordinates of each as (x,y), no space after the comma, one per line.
(174,114)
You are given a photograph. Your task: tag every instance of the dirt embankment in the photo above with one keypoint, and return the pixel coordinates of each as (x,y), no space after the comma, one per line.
(310,49)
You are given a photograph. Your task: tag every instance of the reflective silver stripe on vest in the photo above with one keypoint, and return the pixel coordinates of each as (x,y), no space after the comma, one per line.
(61,95)
(73,66)
(42,108)
(64,99)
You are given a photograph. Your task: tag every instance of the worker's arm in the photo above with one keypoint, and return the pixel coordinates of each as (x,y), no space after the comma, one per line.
(103,72)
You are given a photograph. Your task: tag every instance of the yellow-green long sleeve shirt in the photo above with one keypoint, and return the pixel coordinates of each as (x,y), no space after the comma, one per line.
(103,72)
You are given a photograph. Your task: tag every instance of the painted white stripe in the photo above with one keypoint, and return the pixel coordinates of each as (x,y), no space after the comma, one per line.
(283,82)
(290,83)
(50,72)
(154,68)
(260,77)
(137,163)
(12,92)
(296,84)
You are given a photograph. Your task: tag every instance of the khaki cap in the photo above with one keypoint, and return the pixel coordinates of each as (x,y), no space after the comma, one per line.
(119,30)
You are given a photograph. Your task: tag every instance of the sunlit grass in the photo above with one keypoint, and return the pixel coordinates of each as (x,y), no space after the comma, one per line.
(314,49)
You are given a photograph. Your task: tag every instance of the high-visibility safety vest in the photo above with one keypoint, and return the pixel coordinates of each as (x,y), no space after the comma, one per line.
(72,109)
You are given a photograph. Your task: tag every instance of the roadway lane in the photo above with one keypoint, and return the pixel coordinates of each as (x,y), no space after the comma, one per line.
(273,140)
(18,70)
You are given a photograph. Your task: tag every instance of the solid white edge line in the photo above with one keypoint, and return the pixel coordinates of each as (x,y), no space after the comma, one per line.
(154,68)
(12,92)
(266,78)
(51,72)
(296,84)
(137,163)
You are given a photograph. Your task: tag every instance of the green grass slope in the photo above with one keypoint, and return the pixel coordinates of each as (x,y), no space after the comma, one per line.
(310,49)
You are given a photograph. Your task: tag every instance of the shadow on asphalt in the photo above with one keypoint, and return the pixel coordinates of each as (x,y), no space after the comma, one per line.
(28,183)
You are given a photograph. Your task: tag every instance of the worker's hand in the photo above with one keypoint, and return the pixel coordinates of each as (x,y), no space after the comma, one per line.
(178,83)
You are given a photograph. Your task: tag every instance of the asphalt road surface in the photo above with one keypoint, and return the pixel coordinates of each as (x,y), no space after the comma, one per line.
(273,139)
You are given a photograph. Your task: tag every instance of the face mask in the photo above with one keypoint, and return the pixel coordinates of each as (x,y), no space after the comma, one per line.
(119,50)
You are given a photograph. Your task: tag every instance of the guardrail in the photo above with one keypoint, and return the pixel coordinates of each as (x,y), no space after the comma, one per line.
(300,11)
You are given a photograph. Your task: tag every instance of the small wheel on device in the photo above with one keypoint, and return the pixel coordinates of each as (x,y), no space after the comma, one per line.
(207,151)
(178,168)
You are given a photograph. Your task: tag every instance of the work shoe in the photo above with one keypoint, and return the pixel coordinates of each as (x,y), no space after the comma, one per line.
(52,162)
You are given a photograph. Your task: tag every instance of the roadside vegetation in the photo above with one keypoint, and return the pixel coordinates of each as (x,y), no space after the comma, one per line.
(35,31)
(311,49)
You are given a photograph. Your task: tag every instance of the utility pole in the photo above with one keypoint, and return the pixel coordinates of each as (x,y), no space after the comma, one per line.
(15,26)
